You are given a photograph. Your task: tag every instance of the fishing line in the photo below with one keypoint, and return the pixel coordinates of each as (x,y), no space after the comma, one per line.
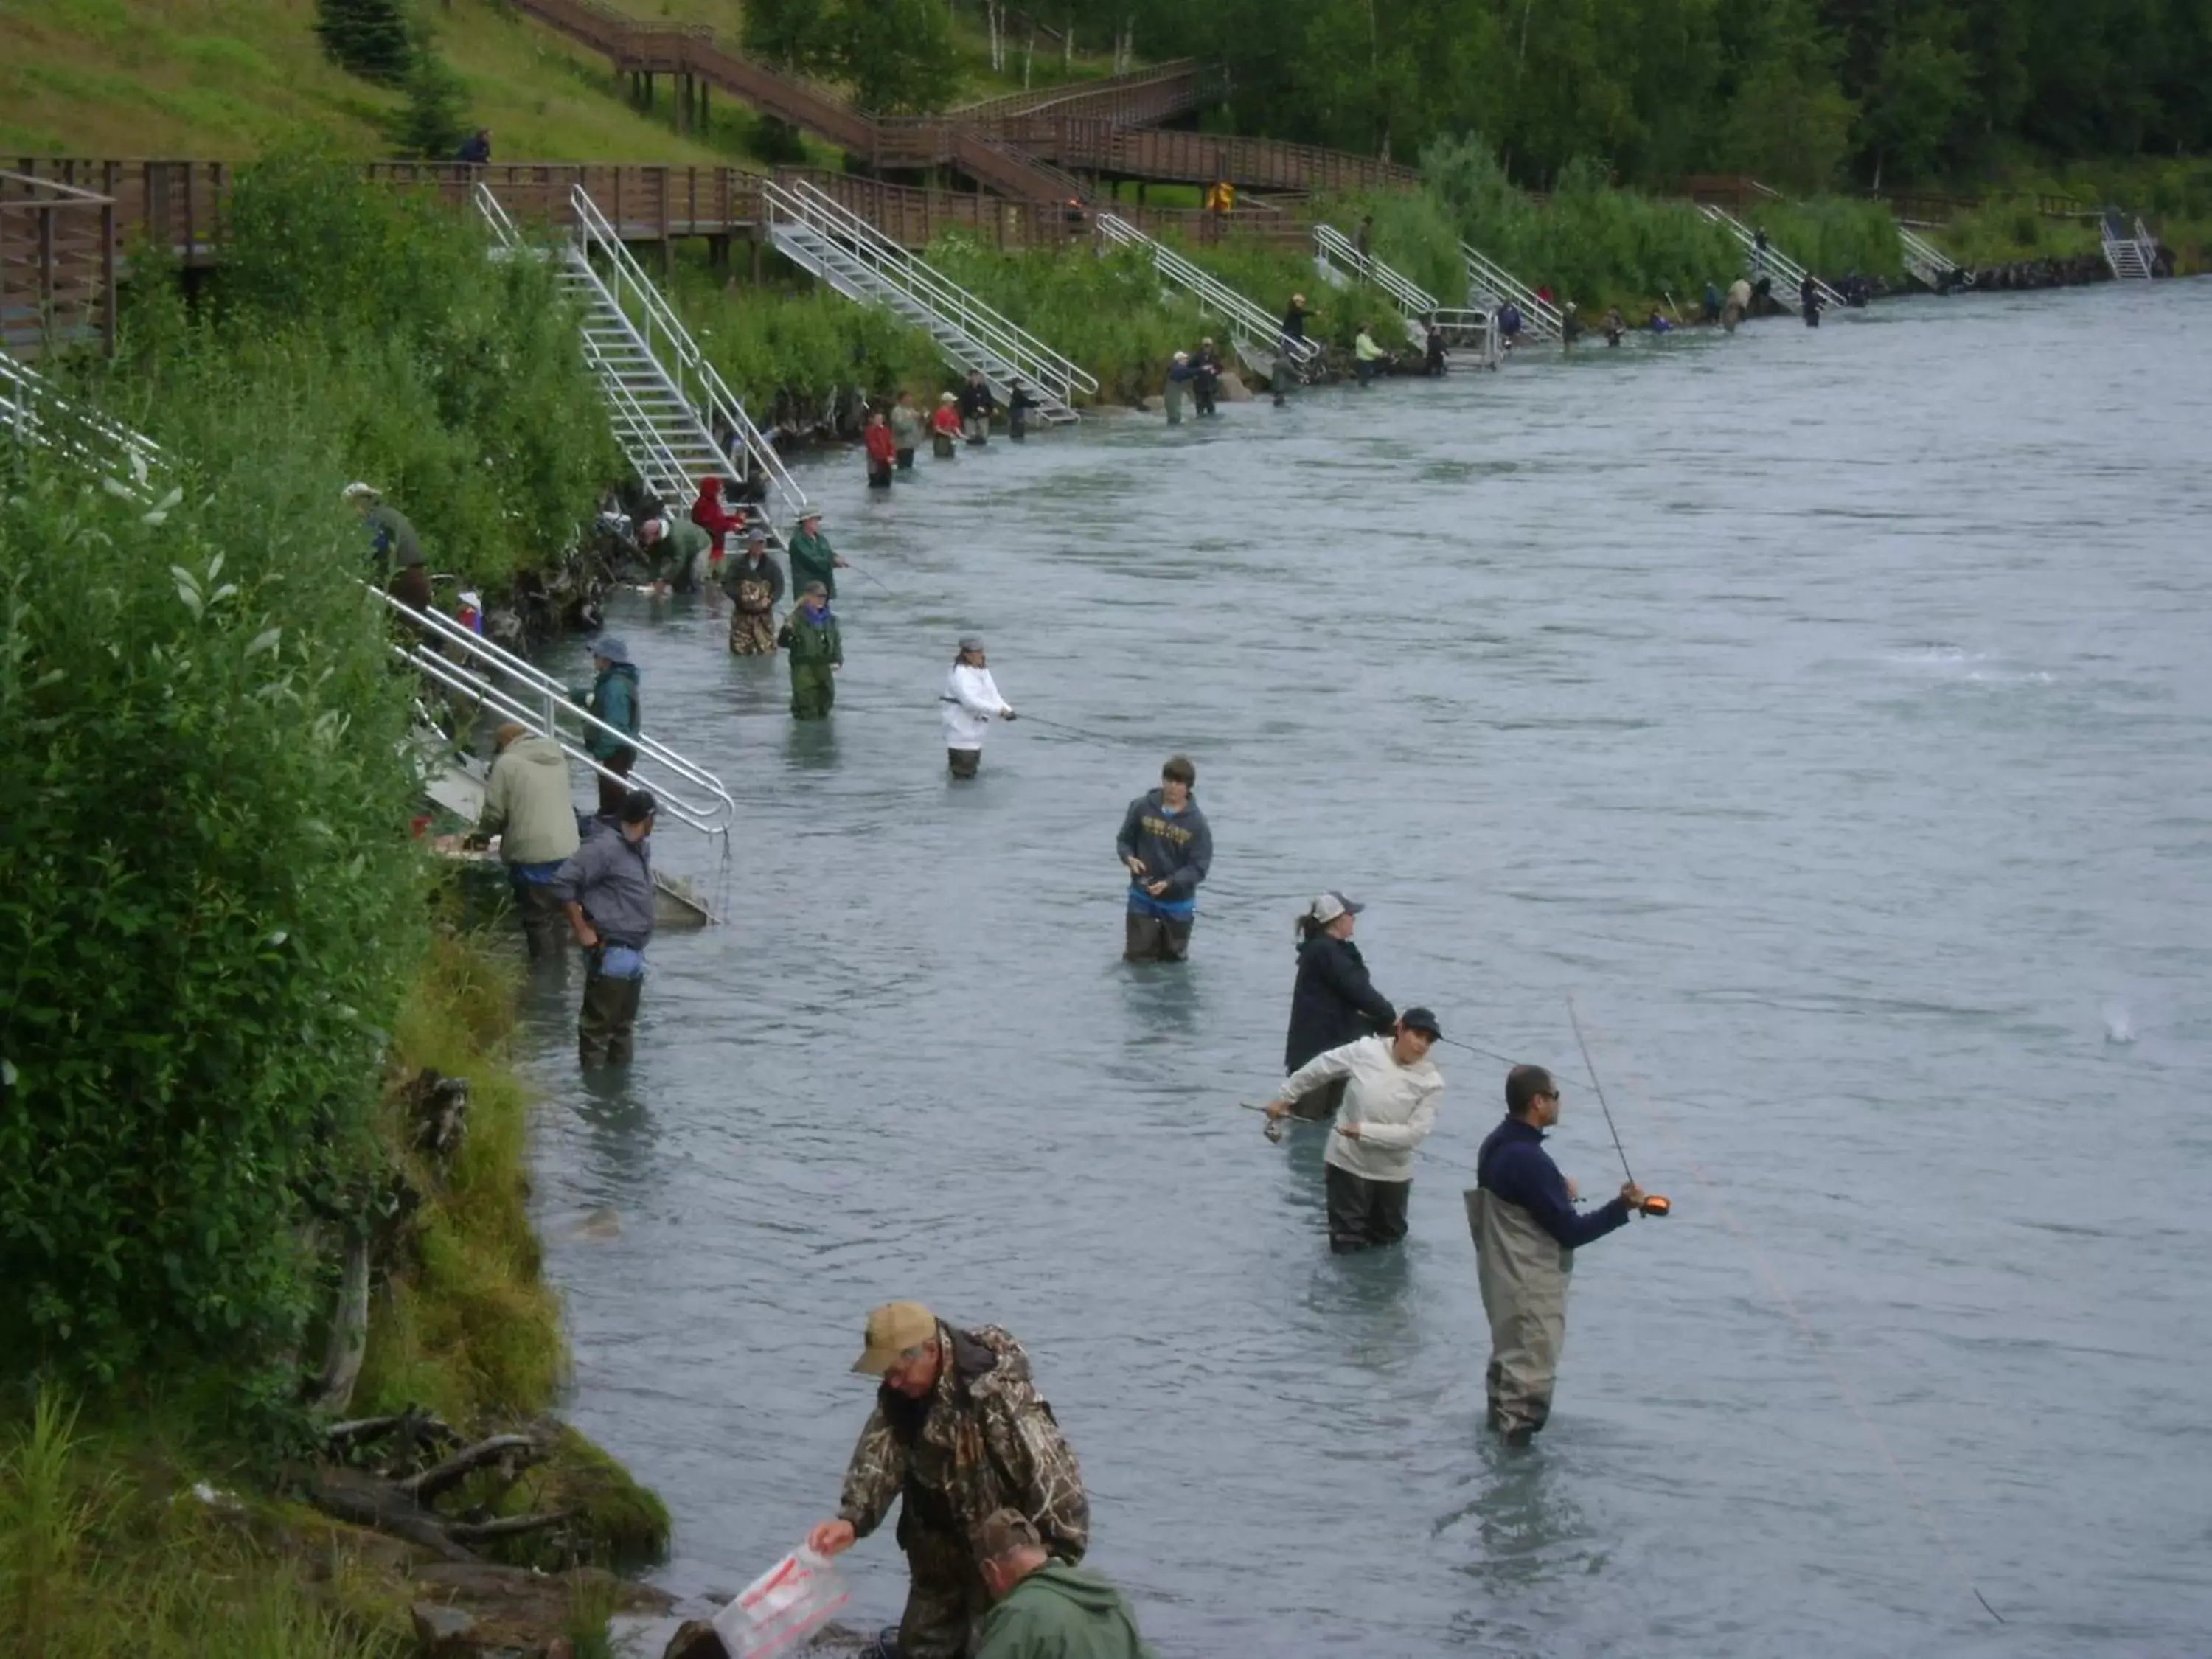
(1492,1054)
(1651,1206)
(1821,1348)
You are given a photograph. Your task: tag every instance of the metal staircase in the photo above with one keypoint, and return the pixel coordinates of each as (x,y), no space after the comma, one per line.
(1770,261)
(1929,264)
(837,246)
(34,413)
(481,675)
(1340,263)
(1488,280)
(2131,258)
(1252,330)
(493,680)
(662,392)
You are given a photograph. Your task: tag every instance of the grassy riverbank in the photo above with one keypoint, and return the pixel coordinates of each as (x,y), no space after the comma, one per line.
(229,964)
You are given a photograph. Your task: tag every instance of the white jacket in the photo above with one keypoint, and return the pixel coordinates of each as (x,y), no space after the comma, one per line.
(971,703)
(1393,1105)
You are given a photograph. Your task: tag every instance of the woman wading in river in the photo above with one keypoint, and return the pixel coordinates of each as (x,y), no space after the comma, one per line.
(1335,1002)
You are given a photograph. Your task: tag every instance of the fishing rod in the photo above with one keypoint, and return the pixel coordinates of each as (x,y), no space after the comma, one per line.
(1654,1206)
(878,581)
(1076,730)
(1487,1054)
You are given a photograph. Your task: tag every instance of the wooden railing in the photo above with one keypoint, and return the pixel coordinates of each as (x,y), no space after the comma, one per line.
(178,207)
(1142,98)
(56,265)
(1199,157)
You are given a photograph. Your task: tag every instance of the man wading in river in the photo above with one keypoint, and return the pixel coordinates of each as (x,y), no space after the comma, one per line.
(1166,846)
(959,1432)
(755,585)
(1392,1089)
(1526,1232)
(815,647)
(606,888)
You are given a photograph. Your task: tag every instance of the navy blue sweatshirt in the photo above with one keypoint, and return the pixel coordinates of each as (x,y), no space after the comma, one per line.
(1514,1166)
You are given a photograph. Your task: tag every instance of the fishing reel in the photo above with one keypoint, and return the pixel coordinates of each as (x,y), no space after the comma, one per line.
(1656,1207)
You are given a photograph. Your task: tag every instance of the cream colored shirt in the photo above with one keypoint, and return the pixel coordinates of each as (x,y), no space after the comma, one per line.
(1395,1106)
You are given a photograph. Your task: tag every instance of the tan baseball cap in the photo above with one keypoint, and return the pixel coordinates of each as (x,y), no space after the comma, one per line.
(892,1330)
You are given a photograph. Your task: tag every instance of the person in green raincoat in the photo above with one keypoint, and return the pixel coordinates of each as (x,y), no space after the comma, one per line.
(812,558)
(816,651)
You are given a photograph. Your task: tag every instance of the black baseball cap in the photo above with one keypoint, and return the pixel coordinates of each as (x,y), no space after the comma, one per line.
(1419,1020)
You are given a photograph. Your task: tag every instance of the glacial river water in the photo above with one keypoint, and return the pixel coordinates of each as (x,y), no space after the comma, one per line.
(1827,712)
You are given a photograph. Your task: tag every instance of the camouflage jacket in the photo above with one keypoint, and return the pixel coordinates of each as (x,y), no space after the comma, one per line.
(984,1439)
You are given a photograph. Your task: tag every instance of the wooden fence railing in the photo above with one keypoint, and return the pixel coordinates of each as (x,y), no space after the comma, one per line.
(1142,98)
(56,265)
(1104,147)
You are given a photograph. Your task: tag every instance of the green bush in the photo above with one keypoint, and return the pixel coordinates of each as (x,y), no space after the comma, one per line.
(1833,235)
(796,356)
(454,382)
(367,37)
(1590,242)
(211,901)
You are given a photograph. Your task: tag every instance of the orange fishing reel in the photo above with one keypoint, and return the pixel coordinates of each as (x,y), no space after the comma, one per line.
(1656,1206)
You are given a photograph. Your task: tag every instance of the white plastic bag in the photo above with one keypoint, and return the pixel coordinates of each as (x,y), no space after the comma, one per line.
(780,1609)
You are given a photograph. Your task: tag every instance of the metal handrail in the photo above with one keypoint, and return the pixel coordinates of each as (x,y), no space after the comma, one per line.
(593,232)
(1331,244)
(1209,290)
(637,429)
(1922,257)
(1485,272)
(824,213)
(547,702)
(1788,268)
(37,414)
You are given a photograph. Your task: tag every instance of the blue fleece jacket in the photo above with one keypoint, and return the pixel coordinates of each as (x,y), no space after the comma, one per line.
(1514,1166)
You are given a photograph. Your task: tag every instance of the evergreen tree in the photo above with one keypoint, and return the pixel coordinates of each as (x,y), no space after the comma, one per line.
(435,119)
(367,37)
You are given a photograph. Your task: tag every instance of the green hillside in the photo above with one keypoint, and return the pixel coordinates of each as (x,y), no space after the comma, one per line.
(234,78)
(228,79)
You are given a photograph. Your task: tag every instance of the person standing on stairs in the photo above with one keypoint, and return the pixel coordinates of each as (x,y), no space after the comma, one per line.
(883,450)
(816,651)
(977,405)
(906,431)
(715,517)
(945,427)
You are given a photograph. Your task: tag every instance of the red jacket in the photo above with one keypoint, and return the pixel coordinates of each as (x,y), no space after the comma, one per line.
(947,419)
(713,516)
(881,446)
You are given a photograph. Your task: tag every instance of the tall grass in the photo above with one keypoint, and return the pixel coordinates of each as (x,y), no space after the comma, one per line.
(93,1567)
(1590,242)
(798,355)
(449,381)
(1834,235)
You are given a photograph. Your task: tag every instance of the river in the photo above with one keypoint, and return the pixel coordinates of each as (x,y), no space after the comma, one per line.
(1827,711)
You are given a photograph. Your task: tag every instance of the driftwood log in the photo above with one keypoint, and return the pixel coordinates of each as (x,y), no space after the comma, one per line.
(388,1500)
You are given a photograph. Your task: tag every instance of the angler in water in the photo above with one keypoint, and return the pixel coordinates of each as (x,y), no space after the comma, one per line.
(606,886)
(1167,847)
(1335,1001)
(1390,1107)
(815,647)
(755,585)
(1526,1230)
(970,702)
